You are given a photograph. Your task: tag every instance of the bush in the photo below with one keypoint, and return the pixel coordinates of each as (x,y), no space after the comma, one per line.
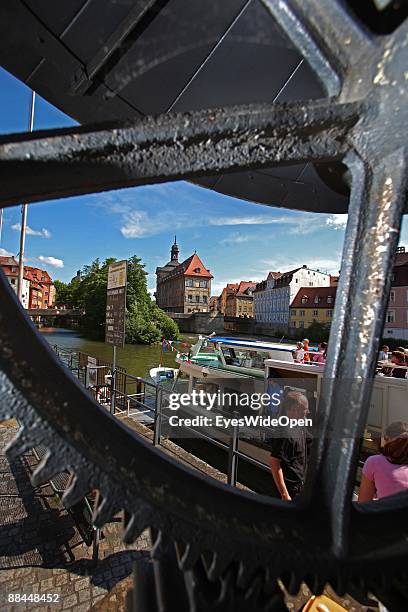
(145,322)
(165,324)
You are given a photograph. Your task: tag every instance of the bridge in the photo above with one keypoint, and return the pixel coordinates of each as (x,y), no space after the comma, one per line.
(55,312)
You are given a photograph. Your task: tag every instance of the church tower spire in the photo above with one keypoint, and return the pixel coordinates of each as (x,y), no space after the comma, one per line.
(175,250)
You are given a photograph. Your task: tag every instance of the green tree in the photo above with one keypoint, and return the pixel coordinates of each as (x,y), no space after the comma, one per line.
(145,322)
(66,293)
(317,332)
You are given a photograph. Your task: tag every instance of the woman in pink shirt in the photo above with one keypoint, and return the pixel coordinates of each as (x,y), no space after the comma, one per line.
(387,474)
(320,356)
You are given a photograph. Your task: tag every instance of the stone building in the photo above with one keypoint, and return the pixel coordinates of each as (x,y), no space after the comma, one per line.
(312,304)
(10,269)
(183,287)
(222,302)
(263,298)
(240,300)
(396,320)
(38,289)
(272,301)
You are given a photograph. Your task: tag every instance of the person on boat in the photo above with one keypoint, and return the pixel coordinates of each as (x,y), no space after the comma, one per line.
(397,366)
(320,355)
(306,358)
(299,353)
(289,454)
(383,354)
(387,474)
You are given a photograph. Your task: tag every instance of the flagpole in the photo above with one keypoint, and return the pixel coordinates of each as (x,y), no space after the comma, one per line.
(24,217)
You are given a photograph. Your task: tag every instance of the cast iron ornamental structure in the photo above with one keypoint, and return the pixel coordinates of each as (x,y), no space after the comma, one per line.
(231,546)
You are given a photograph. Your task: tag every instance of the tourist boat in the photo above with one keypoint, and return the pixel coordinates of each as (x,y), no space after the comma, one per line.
(241,356)
(219,363)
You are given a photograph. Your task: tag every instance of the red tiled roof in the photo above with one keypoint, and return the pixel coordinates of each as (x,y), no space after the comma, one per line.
(401,258)
(274,275)
(192,265)
(8,261)
(244,286)
(314,292)
(39,274)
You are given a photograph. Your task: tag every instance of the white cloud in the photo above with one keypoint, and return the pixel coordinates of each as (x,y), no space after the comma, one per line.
(337,222)
(156,209)
(283,263)
(44,233)
(235,238)
(4,253)
(51,261)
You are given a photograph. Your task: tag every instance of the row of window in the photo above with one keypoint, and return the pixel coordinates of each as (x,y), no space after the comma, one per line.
(196,283)
(391,318)
(315,313)
(392,296)
(317,299)
(197,298)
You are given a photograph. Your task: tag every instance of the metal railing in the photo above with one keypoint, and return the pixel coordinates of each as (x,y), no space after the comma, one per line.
(139,399)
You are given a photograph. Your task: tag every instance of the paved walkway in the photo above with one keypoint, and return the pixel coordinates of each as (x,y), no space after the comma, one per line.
(42,553)
(40,549)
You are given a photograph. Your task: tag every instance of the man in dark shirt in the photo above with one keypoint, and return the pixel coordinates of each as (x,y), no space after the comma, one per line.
(289,454)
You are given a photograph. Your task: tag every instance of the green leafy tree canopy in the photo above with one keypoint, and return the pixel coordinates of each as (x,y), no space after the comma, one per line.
(145,321)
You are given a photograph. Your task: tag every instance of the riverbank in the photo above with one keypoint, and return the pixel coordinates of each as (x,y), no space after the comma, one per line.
(137,359)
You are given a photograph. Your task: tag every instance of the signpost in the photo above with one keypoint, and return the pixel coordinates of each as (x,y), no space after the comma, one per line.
(115,314)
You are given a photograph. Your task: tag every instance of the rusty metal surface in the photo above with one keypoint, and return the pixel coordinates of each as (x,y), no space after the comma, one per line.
(73,161)
(322,537)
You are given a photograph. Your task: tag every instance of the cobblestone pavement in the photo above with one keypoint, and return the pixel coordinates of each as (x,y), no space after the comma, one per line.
(41,551)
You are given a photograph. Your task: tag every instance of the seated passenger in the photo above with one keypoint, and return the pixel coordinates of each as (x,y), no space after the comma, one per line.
(387,474)
(306,348)
(299,353)
(383,354)
(399,361)
(320,356)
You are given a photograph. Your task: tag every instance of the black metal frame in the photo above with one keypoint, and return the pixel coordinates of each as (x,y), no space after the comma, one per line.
(322,537)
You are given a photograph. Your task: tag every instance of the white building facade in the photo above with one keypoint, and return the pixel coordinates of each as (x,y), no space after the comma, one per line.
(25,297)
(263,297)
(273,297)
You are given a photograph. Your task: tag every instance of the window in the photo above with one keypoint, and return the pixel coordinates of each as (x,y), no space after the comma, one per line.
(197,298)
(317,299)
(301,313)
(330,299)
(189,282)
(190,297)
(315,313)
(205,299)
(293,313)
(197,270)
(294,323)
(203,283)
(304,299)
(329,313)
(301,323)
(392,297)
(391,316)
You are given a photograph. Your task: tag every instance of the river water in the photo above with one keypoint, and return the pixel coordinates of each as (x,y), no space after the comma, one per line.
(136,358)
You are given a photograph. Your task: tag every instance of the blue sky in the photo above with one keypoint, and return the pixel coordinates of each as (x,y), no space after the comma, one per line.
(235,239)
